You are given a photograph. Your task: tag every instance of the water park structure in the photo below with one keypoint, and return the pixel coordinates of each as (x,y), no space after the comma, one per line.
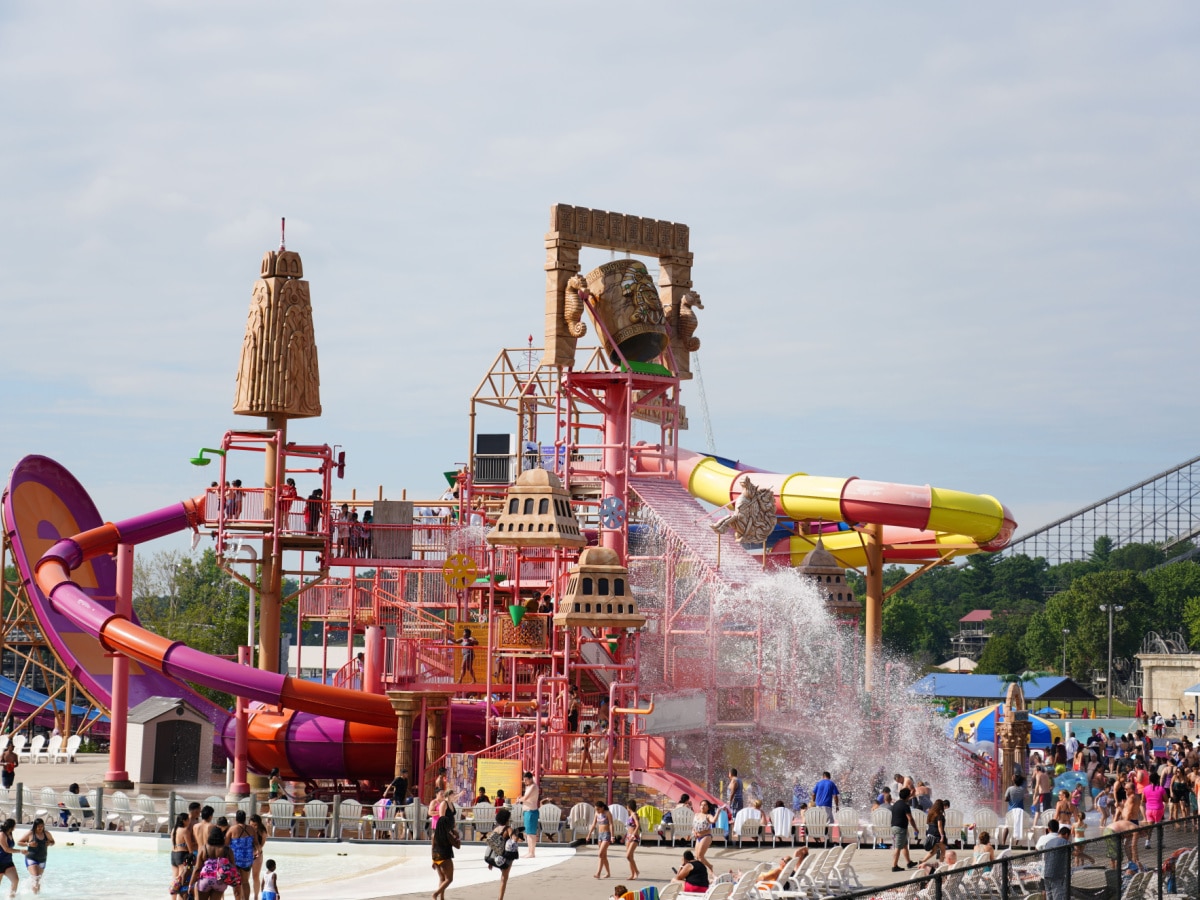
(570,574)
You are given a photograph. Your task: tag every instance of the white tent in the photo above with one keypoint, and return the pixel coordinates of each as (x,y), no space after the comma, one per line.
(959,664)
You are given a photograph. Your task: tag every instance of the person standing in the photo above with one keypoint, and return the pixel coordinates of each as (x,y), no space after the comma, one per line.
(573,709)
(8,868)
(826,796)
(734,798)
(902,821)
(532,816)
(1056,869)
(633,839)
(9,763)
(603,829)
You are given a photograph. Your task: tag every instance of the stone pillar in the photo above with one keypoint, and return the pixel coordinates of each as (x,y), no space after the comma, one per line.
(562,262)
(1012,737)
(407,705)
(435,736)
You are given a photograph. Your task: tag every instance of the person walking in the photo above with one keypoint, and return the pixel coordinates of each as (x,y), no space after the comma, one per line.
(8,868)
(902,821)
(444,842)
(633,840)
(826,796)
(602,827)
(735,797)
(37,843)
(498,842)
(8,766)
(702,826)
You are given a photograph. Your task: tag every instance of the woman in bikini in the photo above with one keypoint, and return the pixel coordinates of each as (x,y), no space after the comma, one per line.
(181,851)
(633,839)
(702,826)
(602,828)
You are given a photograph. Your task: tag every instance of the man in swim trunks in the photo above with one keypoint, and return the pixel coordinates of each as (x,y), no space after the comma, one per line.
(529,800)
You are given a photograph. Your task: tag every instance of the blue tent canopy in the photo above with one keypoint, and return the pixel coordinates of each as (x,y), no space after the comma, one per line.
(993,687)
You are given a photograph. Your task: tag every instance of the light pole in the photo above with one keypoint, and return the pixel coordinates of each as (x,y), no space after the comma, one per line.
(1110,608)
(1065,631)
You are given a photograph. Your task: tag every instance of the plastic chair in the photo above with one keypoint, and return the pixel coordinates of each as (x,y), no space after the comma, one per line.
(816,824)
(18,745)
(483,819)
(280,814)
(34,751)
(51,749)
(847,825)
(147,813)
(550,820)
(618,814)
(881,826)
(69,749)
(316,815)
(681,827)
(350,815)
(781,825)
(118,810)
(747,823)
(579,820)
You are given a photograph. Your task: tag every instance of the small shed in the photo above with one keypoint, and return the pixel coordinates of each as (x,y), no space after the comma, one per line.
(168,742)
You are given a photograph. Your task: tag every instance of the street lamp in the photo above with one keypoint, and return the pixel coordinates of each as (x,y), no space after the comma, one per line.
(1110,608)
(1065,631)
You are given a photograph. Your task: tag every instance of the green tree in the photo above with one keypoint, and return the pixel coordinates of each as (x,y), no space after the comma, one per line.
(1102,549)
(1191,619)
(1000,655)
(903,625)
(1136,557)
(1171,587)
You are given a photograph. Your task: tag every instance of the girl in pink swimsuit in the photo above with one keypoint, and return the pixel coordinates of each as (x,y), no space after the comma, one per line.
(1154,796)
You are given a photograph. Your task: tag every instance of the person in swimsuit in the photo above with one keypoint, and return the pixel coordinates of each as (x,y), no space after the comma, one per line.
(181,850)
(443,843)
(37,843)
(602,828)
(468,656)
(693,875)
(259,830)
(702,825)
(633,839)
(8,868)
(242,845)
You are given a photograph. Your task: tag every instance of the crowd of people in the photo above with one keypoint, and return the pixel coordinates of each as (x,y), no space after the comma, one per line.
(209,856)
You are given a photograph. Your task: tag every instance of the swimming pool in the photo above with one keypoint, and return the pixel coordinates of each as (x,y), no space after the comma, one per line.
(101,866)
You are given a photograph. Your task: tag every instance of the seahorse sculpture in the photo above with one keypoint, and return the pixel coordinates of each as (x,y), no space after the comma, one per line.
(753,517)
(574,298)
(686,325)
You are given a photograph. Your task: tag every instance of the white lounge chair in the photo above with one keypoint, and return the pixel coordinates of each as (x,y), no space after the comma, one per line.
(280,814)
(781,825)
(617,815)
(34,751)
(50,750)
(748,823)
(483,819)
(816,825)
(118,810)
(148,814)
(847,825)
(316,817)
(954,826)
(682,820)
(881,826)
(550,820)
(18,745)
(350,815)
(69,749)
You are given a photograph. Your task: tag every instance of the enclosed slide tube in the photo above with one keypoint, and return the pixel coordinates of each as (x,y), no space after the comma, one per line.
(306,730)
(919,522)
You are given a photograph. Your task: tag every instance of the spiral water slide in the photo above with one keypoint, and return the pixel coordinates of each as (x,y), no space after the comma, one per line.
(920,523)
(64,549)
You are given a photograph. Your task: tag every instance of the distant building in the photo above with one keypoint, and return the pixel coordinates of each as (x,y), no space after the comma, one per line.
(822,568)
(973,632)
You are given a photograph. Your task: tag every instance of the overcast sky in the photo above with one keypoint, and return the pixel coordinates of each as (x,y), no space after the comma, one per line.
(945,243)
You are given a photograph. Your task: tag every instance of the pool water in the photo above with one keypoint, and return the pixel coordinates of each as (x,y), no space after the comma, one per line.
(76,870)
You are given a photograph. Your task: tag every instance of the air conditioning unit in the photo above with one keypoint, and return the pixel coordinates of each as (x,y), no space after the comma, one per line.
(495,458)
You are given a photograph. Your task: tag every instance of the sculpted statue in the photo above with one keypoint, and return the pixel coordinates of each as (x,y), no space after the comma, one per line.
(574,304)
(753,517)
(685,325)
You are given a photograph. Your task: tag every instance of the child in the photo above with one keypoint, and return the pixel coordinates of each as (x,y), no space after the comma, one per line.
(620,891)
(633,838)
(270,887)
(1103,799)
(602,828)
(1079,833)
(1077,797)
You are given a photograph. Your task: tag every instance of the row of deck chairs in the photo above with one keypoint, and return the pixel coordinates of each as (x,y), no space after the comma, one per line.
(821,874)
(1017,829)
(138,813)
(966,881)
(55,750)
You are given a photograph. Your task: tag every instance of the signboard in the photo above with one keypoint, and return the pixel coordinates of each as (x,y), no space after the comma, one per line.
(499,774)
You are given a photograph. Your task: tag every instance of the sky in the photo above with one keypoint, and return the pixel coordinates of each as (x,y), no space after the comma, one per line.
(937,243)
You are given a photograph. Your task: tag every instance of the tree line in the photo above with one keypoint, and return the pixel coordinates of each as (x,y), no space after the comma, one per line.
(1032,603)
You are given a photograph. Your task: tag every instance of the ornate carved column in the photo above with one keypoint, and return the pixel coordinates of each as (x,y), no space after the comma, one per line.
(1012,736)
(407,705)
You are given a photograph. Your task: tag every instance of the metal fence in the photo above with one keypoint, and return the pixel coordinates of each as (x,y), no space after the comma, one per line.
(1154,862)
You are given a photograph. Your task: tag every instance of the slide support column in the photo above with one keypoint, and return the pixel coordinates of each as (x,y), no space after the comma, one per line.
(117,776)
(873,603)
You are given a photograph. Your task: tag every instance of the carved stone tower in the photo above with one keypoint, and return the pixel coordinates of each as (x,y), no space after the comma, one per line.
(278,374)
(1013,731)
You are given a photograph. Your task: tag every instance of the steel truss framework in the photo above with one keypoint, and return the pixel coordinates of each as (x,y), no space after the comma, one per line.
(1163,510)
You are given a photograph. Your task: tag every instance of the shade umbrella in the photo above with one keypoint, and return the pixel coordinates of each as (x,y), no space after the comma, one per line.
(984,721)
(1052,712)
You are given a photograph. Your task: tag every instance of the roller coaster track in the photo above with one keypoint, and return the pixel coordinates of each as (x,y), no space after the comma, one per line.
(1164,510)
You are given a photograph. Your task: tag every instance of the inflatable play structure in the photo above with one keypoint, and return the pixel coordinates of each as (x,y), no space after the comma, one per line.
(499,618)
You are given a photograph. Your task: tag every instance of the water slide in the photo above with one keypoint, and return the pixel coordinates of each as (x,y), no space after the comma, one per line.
(64,549)
(919,522)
